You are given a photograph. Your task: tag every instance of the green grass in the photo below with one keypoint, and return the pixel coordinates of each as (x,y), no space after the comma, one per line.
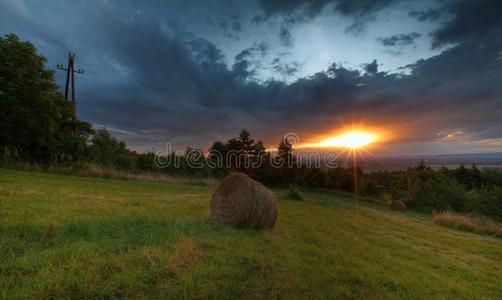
(75,237)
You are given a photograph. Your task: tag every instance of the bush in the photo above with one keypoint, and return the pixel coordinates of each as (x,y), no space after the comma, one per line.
(486,201)
(492,177)
(442,193)
(294,193)
(342,179)
(313,177)
(368,188)
(470,178)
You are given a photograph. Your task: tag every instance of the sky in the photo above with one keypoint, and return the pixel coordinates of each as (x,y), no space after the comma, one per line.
(425,75)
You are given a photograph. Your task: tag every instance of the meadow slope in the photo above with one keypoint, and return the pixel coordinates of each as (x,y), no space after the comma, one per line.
(65,236)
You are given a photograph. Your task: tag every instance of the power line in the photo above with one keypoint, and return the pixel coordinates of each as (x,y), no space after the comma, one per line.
(70,76)
(15,22)
(44,24)
(23,29)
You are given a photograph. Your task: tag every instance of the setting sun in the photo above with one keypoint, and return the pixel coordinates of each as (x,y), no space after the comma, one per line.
(352,139)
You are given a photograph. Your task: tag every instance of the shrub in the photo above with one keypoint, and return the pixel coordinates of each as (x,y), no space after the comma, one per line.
(486,201)
(492,177)
(342,179)
(470,178)
(442,193)
(313,177)
(294,193)
(368,188)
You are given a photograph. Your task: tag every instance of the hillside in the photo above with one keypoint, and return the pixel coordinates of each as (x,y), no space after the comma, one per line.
(65,236)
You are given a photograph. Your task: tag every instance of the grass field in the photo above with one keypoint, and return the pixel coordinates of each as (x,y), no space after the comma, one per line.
(75,237)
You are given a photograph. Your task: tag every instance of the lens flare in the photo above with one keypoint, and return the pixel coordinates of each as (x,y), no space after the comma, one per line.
(352,139)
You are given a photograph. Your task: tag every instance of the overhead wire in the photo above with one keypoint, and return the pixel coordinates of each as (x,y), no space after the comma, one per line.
(45,25)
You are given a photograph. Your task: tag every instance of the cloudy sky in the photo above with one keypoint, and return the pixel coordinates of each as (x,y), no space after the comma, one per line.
(428,74)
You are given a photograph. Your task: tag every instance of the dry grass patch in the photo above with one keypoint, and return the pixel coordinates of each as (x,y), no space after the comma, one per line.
(475,224)
(149,257)
(186,254)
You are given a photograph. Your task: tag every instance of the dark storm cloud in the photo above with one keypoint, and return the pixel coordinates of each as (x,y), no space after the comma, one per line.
(472,21)
(360,11)
(286,69)
(249,60)
(358,25)
(231,26)
(160,60)
(405,39)
(432,14)
(371,68)
(287,25)
(312,8)
(361,7)
(231,23)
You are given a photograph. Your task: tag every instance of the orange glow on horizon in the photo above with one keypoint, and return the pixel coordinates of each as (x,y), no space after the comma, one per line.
(351,139)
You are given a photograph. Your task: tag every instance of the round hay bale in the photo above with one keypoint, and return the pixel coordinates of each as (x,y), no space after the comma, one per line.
(398,206)
(239,201)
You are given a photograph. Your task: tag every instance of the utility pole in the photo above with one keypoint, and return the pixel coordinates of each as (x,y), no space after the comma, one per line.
(70,75)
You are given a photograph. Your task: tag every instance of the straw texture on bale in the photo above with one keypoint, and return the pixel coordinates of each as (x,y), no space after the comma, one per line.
(239,201)
(398,206)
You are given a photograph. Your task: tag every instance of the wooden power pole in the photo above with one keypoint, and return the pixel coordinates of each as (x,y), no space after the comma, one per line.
(70,75)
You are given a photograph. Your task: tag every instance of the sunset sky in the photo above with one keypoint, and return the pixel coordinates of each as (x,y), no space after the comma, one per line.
(424,75)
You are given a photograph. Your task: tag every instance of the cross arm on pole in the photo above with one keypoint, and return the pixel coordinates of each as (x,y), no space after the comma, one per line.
(61,67)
